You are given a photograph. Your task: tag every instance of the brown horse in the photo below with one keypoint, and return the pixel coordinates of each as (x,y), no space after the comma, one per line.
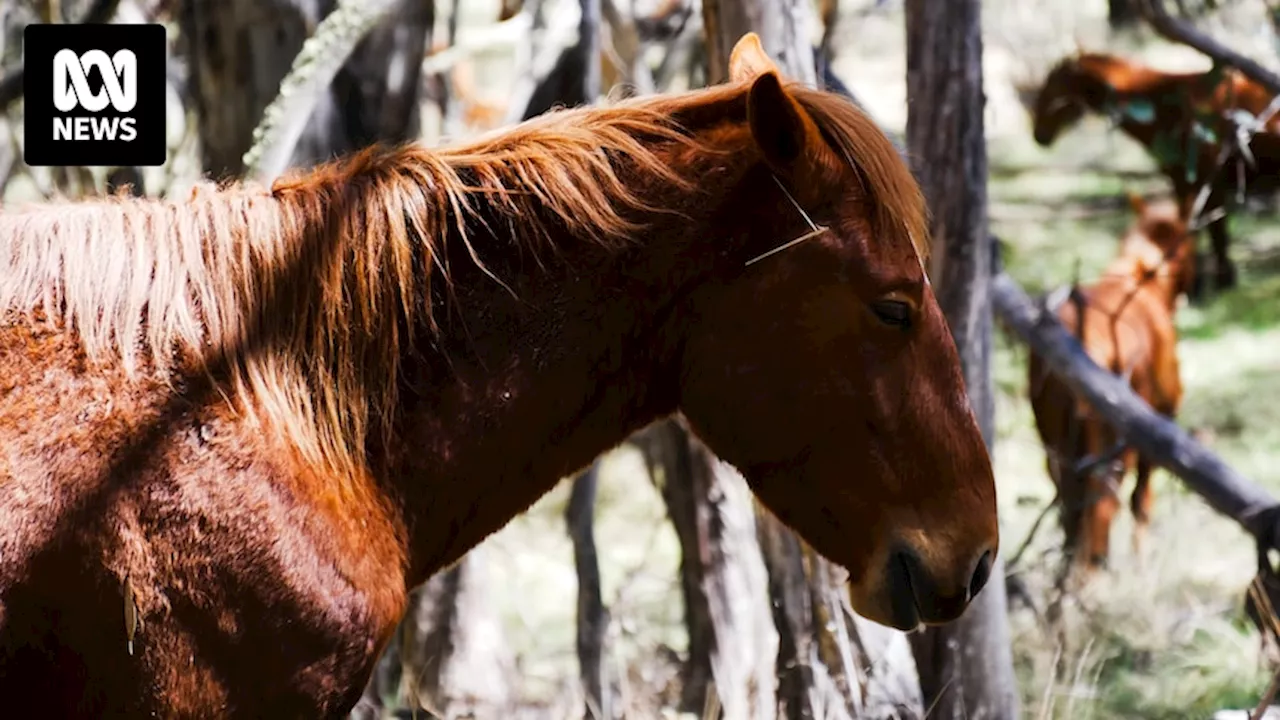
(1127,328)
(1183,120)
(236,429)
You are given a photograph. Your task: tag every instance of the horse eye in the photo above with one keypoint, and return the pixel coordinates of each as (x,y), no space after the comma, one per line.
(892,312)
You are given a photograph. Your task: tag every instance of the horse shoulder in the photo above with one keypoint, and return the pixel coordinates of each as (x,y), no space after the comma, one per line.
(139,528)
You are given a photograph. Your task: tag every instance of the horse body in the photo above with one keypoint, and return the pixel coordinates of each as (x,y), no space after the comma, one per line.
(234,430)
(1128,328)
(1159,110)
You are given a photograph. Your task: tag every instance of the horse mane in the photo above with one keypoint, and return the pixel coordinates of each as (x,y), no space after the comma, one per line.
(304,295)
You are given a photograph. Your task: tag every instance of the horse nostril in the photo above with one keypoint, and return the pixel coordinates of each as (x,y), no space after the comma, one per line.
(981,574)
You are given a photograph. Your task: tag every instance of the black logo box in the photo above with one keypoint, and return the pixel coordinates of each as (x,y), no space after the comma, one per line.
(148,43)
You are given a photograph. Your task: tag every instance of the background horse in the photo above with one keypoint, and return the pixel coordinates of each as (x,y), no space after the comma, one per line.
(1183,120)
(1127,327)
(248,422)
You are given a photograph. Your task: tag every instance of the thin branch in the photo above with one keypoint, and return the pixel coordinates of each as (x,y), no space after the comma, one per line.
(1180,31)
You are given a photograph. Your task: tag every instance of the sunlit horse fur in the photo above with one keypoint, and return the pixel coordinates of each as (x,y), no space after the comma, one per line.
(261,416)
(1148,105)
(1128,329)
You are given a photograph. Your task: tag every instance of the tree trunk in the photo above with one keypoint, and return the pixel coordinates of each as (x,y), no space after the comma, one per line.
(456,662)
(1121,13)
(593,617)
(822,667)
(240,50)
(785,28)
(732,640)
(966,668)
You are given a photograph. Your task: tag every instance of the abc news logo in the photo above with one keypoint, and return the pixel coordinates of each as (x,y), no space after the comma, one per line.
(94,95)
(71,90)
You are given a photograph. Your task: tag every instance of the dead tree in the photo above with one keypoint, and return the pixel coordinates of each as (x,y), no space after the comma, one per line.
(732,639)
(452,650)
(593,617)
(966,668)
(239,51)
(1251,506)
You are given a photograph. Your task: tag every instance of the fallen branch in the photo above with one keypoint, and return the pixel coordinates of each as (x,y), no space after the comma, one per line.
(1180,31)
(1151,434)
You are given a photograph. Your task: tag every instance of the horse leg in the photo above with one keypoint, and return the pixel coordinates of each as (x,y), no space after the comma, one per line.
(1101,505)
(1140,503)
(1224,269)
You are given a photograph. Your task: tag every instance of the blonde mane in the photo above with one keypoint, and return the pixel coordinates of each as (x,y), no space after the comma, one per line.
(300,293)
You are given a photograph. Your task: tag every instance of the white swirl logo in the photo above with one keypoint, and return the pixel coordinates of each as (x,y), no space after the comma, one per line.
(119,80)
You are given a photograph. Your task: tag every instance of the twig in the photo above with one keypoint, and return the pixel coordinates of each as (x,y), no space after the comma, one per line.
(1026,542)
(1265,700)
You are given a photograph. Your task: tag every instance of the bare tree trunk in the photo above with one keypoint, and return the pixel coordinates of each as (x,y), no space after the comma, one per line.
(1121,13)
(593,617)
(807,687)
(456,661)
(732,640)
(966,668)
(785,28)
(239,51)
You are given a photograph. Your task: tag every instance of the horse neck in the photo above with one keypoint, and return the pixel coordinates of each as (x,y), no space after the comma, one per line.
(529,385)
(1099,84)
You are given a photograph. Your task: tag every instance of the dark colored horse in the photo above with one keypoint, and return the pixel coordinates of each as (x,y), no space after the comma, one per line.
(1127,328)
(1183,120)
(236,429)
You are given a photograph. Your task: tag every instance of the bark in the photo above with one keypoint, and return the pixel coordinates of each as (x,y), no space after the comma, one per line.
(821,665)
(809,685)
(1121,13)
(240,50)
(99,11)
(455,659)
(785,29)
(966,667)
(732,640)
(593,618)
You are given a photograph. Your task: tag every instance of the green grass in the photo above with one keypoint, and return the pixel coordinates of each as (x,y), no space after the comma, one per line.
(1162,636)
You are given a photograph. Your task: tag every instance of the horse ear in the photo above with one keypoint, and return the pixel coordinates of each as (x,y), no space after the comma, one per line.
(1137,202)
(784,131)
(749,60)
